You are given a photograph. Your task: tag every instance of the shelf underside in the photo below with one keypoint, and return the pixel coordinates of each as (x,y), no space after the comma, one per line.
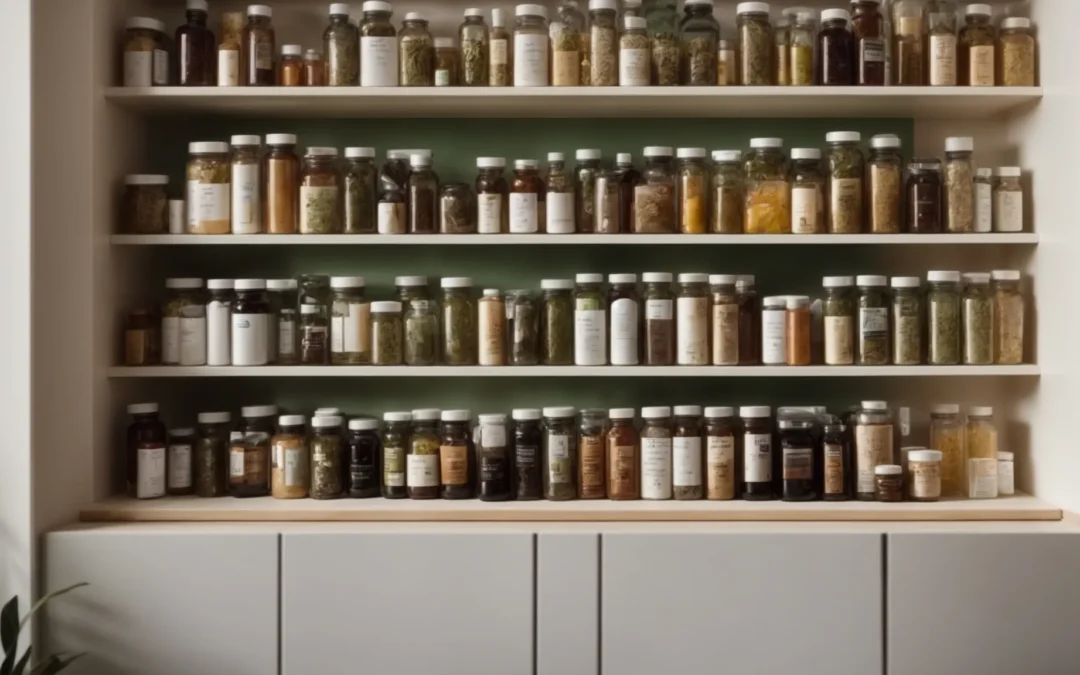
(267,509)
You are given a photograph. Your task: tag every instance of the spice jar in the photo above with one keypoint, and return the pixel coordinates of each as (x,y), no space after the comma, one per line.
(959,185)
(688,456)
(728,193)
(526,458)
(1008,200)
(975,56)
(634,53)
(457,209)
(873,338)
(837,462)
(526,198)
(145,458)
(756,44)
(603,43)
(257,48)
(492,328)
(885,171)
(907,321)
(530,46)
(378,46)
(146,59)
(727,70)
(656,453)
(654,196)
(943,311)
(774,331)
(874,438)
(984,200)
(341,43)
(941,22)
(211,454)
(394,193)
(446,63)
(797,448)
(219,322)
(662,23)
(246,207)
(493,459)
(846,171)
(491,195)
(474,41)
(947,437)
(781,58)
(797,330)
(183,323)
(559,196)
(557,320)
(560,454)
(387,341)
(1008,315)
(178,462)
(659,336)
(362,447)
(800,45)
(350,323)
(749,321)
(625,326)
(359,177)
(980,442)
(868,31)
(978,317)
(757,442)
(423,479)
(314,329)
(693,190)
(982,478)
(924,197)
(699,34)
(459,333)
(417,57)
(608,202)
(250,324)
(720,467)
(500,74)
(692,320)
(908,53)
(290,459)
(836,50)
(807,191)
(768,194)
(585,174)
(423,195)
(590,321)
(142,338)
(228,52)
(456,455)
(725,320)
(924,475)
(281,176)
(208,188)
(1006,474)
(1016,54)
(591,477)
(839,312)
(421,328)
(291,66)
(145,208)
(249,452)
(327,458)
(523,327)
(314,69)
(395,449)
(623,448)
(320,192)
(568,46)
(889,483)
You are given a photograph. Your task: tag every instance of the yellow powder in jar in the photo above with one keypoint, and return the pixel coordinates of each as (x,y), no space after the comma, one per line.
(768,208)
(950,442)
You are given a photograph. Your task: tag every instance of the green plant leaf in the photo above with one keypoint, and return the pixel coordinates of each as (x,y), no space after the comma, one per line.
(21,665)
(54,664)
(46,598)
(9,660)
(9,625)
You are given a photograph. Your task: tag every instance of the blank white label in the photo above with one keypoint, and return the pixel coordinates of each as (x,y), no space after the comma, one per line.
(249,341)
(489,214)
(560,213)
(378,62)
(692,332)
(687,462)
(773,337)
(352,333)
(493,436)
(659,310)
(192,341)
(590,337)
(984,203)
(150,482)
(757,453)
(1008,211)
(804,210)
(170,341)
(218,329)
(656,468)
(179,466)
(236,462)
(286,337)
(391,218)
(523,216)
(228,68)
(295,467)
(138,69)
(442,78)
(530,60)
(634,67)
(423,470)
(624,332)
(839,341)
(245,199)
(161,67)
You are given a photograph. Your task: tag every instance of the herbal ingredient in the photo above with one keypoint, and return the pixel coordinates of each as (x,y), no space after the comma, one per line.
(756,47)
(665,60)
(417,60)
(604,59)
(959,196)
(699,62)
(474,63)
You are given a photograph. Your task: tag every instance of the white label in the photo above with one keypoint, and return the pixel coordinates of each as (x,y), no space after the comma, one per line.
(286,337)
(558,455)
(981,62)
(656,468)
(943,60)
(560,213)
(874,322)
(634,67)
(352,333)
(378,62)
(236,462)
(523,216)
(493,436)
(530,60)
(161,67)
(151,473)
(192,341)
(170,341)
(1006,480)
(984,202)
(687,462)
(692,332)
(249,341)
(423,470)
(804,210)
(295,467)
(499,52)
(442,78)
(590,337)
(720,451)
(138,69)
(839,341)
(179,466)
(1008,211)
(218,329)
(489,214)
(773,337)
(391,218)
(624,332)
(658,310)
(873,50)
(228,69)
(206,203)
(757,456)
(245,199)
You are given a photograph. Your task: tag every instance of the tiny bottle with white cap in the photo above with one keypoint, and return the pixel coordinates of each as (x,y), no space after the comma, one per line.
(976,47)
(257,48)
(378,46)
(1008,197)
(146,463)
(291,66)
(531,46)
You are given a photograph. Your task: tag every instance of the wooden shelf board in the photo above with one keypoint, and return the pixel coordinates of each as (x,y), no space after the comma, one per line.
(267,509)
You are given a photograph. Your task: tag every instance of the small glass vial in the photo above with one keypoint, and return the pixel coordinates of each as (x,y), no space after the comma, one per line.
(975,48)
(591,481)
(924,475)
(808,188)
(492,191)
(422,478)
(146,454)
(688,455)
(526,455)
(560,454)
(943,318)
(395,448)
(774,331)
(350,324)
(757,461)
(924,197)
(501,47)
(656,453)
(320,192)
(1016,53)
(291,66)
(836,50)
(1008,198)
(493,458)
(1008,317)
(527,197)
(531,45)
(907,321)
(978,319)
(692,320)
(797,460)
(257,50)
(491,328)
(699,33)
(847,169)
(387,334)
(797,331)
(417,58)
(1006,474)
(889,483)
(623,447)
(757,46)
(959,185)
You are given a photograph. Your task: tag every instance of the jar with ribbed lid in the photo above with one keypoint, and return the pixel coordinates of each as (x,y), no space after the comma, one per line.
(560,454)
(873,337)
(350,322)
(728,192)
(907,321)
(531,45)
(839,319)
(208,188)
(756,44)
(808,188)
(654,195)
(847,169)
(768,193)
(943,304)
(320,192)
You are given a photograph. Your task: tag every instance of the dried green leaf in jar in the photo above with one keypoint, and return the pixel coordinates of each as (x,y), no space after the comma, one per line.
(523,327)
(943,318)
(665,60)
(387,341)
(341,44)
(473,37)
(327,458)
(500,47)
(728,193)
(417,52)
(873,336)
(978,313)
(907,321)
(699,34)
(756,45)
(557,322)
(456,209)
(885,172)
(459,335)
(320,192)
(846,171)
(360,199)
(422,333)
(567,31)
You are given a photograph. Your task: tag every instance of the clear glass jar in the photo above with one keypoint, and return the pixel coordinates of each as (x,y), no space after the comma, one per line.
(500,48)
(423,196)
(341,44)
(457,455)
(208,188)
(692,320)
(560,454)
(693,190)
(801,45)
(591,478)
(607,196)
(475,47)
(625,325)
(728,193)
(838,470)
(959,185)
(885,171)
(531,44)
(421,333)
(492,192)
(941,43)
(393,192)
(847,169)
(585,174)
(527,453)
(947,437)
(142,338)
(978,317)
(868,29)
(145,208)
(244,177)
(975,58)
(634,53)
(567,38)
(908,43)
(808,188)
(656,454)
(721,472)
(797,332)
(874,439)
(284,320)
(146,56)
(387,339)
(290,459)
(559,196)
(146,457)
(378,46)
(328,460)
(1008,318)
(360,197)
(659,335)
(907,321)
(688,455)
(457,209)
(628,177)
(183,323)
(924,197)
(836,50)
(699,33)
(756,44)
(557,322)
(623,447)
(395,449)
(523,327)
(321,193)
(725,320)
(873,338)
(839,315)
(446,63)
(178,460)
(654,196)
(943,312)
(984,200)
(422,463)
(212,454)
(491,328)
(314,329)
(459,336)
(257,51)
(590,321)
(527,198)
(768,193)
(350,323)
(662,19)
(417,52)
(603,43)
(314,69)
(493,459)
(980,443)
(727,69)
(1016,53)
(774,331)
(281,181)
(923,475)
(291,66)
(1008,199)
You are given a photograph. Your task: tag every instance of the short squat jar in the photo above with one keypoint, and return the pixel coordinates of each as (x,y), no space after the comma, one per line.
(924,475)
(889,483)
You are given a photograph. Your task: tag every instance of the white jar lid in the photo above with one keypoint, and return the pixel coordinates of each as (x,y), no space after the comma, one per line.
(490,162)
(220,284)
(774,302)
(658,151)
(258,411)
(525,414)
(411,281)
(722,279)
(875,405)
(691,153)
(376,6)
(185,431)
(281,139)
(397,417)
(214,417)
(835,15)
(292,50)
(977,278)
(1005,456)
(1008,172)
(746,279)
(838,282)
(326,422)
(291,421)
(984,173)
(885,141)
(556,157)
(530,10)
(924,456)
(146,179)
(656,412)
(184,283)
(456,282)
(766,142)
(419,160)
(688,411)
(456,415)
(693,278)
(906,282)
(347,282)
(474,11)
(624,158)
(871,280)
(945,409)
(1016,22)
(360,153)
(752,8)
(310,309)
(497,20)
(657,277)
(259,10)
(622,278)
(491,293)
(797,301)
(843,137)
(980,411)
(319,151)
(719,411)
(559,412)
(978,8)
(621,413)
(755,411)
(142,408)
(250,284)
(245,139)
(888,470)
(363,424)
(727,155)
(959,144)
(491,419)
(634,22)
(587,154)
(425,414)
(414,16)
(589,278)
(137,22)
(525,164)
(208,148)
(339,8)
(386,307)
(595,5)
(557,284)
(1005,275)
(943,276)
(280,284)
(806,153)
(326,412)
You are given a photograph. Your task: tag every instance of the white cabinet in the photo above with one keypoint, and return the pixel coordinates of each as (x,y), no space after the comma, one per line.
(992,604)
(567,604)
(164,604)
(767,604)
(438,604)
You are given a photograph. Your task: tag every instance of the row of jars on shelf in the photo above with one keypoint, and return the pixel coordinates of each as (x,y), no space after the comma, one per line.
(842,191)
(688,453)
(921,45)
(709,320)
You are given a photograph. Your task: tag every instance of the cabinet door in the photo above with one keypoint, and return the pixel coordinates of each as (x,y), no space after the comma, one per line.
(993,604)
(439,604)
(567,604)
(165,603)
(767,604)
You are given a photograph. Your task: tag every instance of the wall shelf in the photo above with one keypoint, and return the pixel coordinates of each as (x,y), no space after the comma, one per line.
(965,103)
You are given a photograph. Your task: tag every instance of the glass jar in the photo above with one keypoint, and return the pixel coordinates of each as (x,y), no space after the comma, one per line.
(908,51)
(395,449)
(244,176)
(423,196)
(978,317)
(474,41)
(837,463)
(183,323)
(501,44)
(523,327)
(874,439)
(178,460)
(959,185)
(623,444)
(907,321)
(290,459)
(591,479)
(281,181)
(628,177)
(1008,318)
(725,320)
(531,46)
(654,196)
(459,340)
(559,196)
(315,291)
(873,338)
(568,37)
(257,53)
(947,437)
(146,56)
(557,322)
(924,475)
(757,440)
(607,196)
(560,454)
(250,324)
(457,209)
(656,453)
(1016,53)
(975,57)
(360,199)
(839,312)
(145,208)
(692,190)
(208,189)
(692,320)
(341,43)
(320,192)
(984,200)
(885,173)
(634,53)
(889,483)
(846,171)
(981,443)
(142,338)
(756,44)
(836,50)
(868,31)
(421,326)
(446,63)
(590,321)
(493,458)
(781,59)
(801,42)
(1008,198)
(625,327)
(659,333)
(728,190)
(212,454)
(924,197)
(491,328)
(688,457)
(749,321)
(943,324)
(363,449)
(394,193)
(327,458)
(662,19)
(699,34)
(526,459)
(291,66)
(422,477)
(491,196)
(807,191)
(941,43)
(603,43)
(797,330)
(526,198)
(720,456)
(457,455)
(350,324)
(387,339)
(417,52)
(314,69)
(314,328)
(768,193)
(585,174)
(228,51)
(146,455)
(774,331)
(798,482)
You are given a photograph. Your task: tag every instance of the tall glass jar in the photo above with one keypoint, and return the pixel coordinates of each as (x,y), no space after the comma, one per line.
(491,328)
(527,198)
(808,188)
(421,325)
(837,472)
(350,325)
(659,333)
(924,197)
(1007,196)
(839,314)
(257,52)
(457,209)
(692,320)
(749,321)
(873,338)
(495,482)
(531,44)
(360,197)
(625,325)
(721,460)
(208,188)
(975,58)
(725,320)
(781,75)
(183,323)
(654,196)
(560,454)
(941,43)
(756,44)
(603,43)
(492,191)
(423,196)
(908,43)
(457,455)
(526,454)
(523,309)
(693,190)
(907,321)
(559,196)
(978,317)
(1016,53)
(868,29)
(591,479)
(1008,318)
(459,335)
(836,50)
(608,202)
(874,440)
(688,455)
(943,319)
(623,447)
(757,451)
(959,184)
(590,321)
(321,193)
(500,47)
(656,453)
(395,448)
(797,459)
(314,329)
(475,45)
(146,457)
(585,174)
(417,57)
(947,437)
(801,45)
(886,170)
(378,46)
(341,44)
(281,181)
(846,171)
(250,324)
(212,454)
(768,194)
(290,459)
(195,48)
(634,53)
(629,177)
(363,449)
(728,193)
(699,34)
(662,19)
(980,443)
(557,322)
(328,461)
(244,177)
(422,461)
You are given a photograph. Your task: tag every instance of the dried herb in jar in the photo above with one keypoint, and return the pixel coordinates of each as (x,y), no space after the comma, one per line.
(341,44)
(421,333)
(146,205)
(417,57)
(456,209)
(978,313)
(560,454)
(1008,318)
(846,171)
(699,62)
(873,321)
(474,63)
(907,321)
(959,185)
(1016,53)
(360,175)
(459,344)
(523,327)
(387,341)
(557,322)
(604,58)
(728,193)
(886,168)
(943,303)
(654,196)
(327,458)
(659,301)
(665,60)
(756,46)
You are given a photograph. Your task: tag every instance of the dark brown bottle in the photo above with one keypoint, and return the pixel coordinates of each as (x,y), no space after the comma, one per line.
(145,452)
(838,476)
(749,322)
(628,178)
(257,49)
(868,31)
(196,51)
(528,438)
(493,453)
(758,469)
(836,50)
(797,460)
(924,198)
(456,455)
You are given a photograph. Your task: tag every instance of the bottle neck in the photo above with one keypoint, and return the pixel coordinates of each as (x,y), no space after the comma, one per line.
(196,17)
